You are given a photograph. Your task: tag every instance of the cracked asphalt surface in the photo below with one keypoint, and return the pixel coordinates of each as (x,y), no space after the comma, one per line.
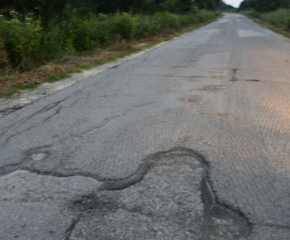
(188,141)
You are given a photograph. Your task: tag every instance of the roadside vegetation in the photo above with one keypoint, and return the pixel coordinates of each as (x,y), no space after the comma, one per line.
(274,14)
(44,41)
(279,18)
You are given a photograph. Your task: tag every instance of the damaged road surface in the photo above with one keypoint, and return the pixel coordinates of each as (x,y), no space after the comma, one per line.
(188,141)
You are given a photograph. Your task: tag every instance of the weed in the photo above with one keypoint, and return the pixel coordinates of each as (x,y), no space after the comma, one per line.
(56,76)
(75,70)
(278,21)
(280,17)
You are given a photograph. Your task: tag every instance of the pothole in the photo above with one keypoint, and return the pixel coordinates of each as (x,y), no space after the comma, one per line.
(173,199)
(38,156)
(92,204)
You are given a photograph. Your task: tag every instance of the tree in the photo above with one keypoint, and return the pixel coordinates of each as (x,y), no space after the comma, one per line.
(269,5)
(207,4)
(40,8)
(245,5)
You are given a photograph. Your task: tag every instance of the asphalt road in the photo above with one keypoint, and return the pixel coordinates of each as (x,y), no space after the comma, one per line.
(188,141)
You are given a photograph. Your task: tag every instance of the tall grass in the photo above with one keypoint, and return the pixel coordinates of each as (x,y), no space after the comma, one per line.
(280,17)
(24,44)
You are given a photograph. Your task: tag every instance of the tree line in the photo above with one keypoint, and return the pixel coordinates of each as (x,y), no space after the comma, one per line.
(264,5)
(46,9)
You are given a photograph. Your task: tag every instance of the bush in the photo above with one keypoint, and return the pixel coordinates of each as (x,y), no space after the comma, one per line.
(56,42)
(278,17)
(22,43)
(144,26)
(4,63)
(256,14)
(288,23)
(122,24)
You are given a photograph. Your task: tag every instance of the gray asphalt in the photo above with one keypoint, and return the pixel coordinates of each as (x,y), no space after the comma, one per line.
(188,141)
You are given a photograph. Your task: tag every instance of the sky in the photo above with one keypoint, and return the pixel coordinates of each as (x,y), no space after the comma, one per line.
(234,3)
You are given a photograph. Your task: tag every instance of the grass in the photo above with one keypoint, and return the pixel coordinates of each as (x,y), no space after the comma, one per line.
(57,71)
(275,28)
(56,76)
(7,92)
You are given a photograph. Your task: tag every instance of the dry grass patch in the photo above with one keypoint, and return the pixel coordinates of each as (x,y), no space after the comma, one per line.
(37,75)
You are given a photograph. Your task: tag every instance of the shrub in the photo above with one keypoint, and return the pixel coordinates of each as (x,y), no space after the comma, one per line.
(100,30)
(256,14)
(144,26)
(122,24)
(288,23)
(278,17)
(4,63)
(56,42)
(22,43)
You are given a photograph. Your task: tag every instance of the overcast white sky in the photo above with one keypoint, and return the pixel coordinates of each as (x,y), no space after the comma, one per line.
(234,3)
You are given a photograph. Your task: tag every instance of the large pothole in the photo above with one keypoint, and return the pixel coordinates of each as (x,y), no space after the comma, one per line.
(171,198)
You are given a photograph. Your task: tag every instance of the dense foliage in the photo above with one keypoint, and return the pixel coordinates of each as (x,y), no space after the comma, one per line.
(25,44)
(245,6)
(280,17)
(276,12)
(264,5)
(207,4)
(47,9)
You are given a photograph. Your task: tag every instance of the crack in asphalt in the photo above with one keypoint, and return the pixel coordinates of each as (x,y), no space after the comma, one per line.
(4,170)
(272,225)
(107,121)
(59,110)
(9,110)
(213,207)
(47,108)
(210,200)
(123,60)
(49,173)
(70,229)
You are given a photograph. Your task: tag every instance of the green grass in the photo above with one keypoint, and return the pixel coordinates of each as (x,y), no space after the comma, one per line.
(75,70)
(280,29)
(279,17)
(9,91)
(55,77)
